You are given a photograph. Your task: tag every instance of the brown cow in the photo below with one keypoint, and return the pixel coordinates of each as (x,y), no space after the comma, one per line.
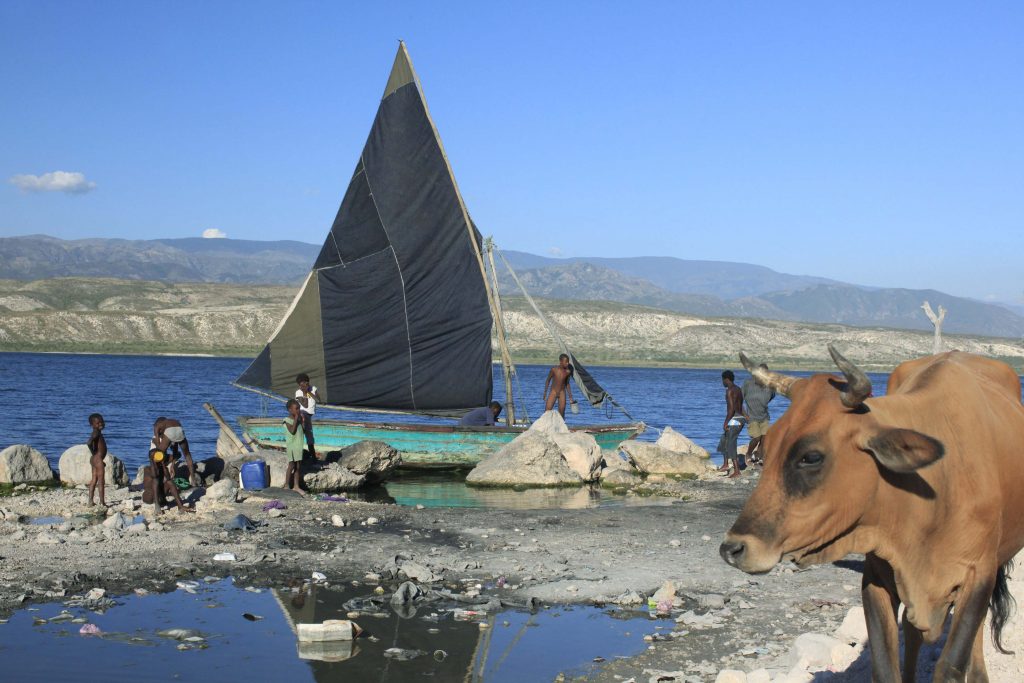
(927,481)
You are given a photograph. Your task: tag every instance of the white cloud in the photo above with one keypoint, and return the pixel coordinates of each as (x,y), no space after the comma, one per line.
(214,234)
(555,251)
(55,181)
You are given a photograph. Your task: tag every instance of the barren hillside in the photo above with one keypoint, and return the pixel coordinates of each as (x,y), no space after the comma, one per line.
(119,316)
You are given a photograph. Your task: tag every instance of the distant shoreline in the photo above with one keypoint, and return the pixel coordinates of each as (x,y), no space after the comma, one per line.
(668,365)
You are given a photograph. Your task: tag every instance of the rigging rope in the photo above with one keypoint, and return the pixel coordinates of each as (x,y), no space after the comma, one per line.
(554,333)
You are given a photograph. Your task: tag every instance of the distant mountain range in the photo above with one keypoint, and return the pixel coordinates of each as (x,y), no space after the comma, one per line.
(35,257)
(705,288)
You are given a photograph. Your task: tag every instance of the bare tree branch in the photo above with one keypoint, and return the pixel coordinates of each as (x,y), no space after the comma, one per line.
(937,322)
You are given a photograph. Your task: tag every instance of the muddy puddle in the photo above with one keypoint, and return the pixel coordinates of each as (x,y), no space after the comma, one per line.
(221,631)
(447,489)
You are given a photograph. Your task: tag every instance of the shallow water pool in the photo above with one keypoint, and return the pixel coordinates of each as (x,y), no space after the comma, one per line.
(448,489)
(223,645)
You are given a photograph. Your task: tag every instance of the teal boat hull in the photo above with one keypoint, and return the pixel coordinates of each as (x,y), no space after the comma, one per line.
(422,446)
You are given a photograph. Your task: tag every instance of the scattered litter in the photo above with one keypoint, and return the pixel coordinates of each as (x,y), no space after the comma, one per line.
(253,589)
(224,557)
(90,630)
(327,498)
(274,505)
(440,655)
(189,586)
(401,655)
(242,523)
(251,617)
(180,633)
(95,594)
(467,614)
(329,630)
(319,577)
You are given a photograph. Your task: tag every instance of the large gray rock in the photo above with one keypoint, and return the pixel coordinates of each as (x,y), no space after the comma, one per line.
(75,468)
(649,458)
(375,460)
(612,478)
(332,477)
(22,464)
(581,453)
(672,440)
(531,459)
(223,491)
(551,422)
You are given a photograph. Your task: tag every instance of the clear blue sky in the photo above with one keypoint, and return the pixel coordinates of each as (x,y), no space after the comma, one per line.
(876,143)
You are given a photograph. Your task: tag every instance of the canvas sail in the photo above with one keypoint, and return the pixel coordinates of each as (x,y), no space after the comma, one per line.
(394,314)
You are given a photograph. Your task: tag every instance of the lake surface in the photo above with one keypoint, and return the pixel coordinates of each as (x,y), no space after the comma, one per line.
(512,646)
(47,399)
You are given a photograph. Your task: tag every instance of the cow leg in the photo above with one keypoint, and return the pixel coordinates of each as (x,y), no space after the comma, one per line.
(912,639)
(968,617)
(880,607)
(977,673)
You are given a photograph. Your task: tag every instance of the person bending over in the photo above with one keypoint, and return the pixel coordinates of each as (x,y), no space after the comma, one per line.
(482,417)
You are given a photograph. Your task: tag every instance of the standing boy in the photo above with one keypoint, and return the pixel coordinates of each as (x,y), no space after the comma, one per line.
(98,451)
(558,379)
(757,397)
(308,397)
(293,446)
(733,424)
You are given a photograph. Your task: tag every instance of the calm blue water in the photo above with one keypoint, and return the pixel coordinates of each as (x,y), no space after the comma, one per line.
(48,398)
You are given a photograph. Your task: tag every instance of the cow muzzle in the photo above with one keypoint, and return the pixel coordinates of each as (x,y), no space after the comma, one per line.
(748,554)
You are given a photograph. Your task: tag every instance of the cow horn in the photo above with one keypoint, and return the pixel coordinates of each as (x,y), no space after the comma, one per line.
(782,384)
(858,386)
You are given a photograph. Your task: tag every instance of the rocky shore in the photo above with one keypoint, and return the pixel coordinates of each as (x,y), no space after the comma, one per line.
(725,624)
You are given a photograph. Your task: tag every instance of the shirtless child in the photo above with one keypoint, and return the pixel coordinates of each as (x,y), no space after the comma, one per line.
(558,379)
(98,450)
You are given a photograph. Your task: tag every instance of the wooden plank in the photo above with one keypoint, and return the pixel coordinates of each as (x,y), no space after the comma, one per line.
(225,429)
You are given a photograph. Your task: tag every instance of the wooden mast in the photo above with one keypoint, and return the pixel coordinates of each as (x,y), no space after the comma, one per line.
(499,327)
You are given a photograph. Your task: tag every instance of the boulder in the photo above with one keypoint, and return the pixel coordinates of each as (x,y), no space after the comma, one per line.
(531,459)
(375,460)
(210,469)
(330,477)
(75,468)
(818,651)
(673,441)
(854,629)
(581,453)
(551,422)
(759,676)
(22,464)
(649,458)
(613,478)
(731,676)
(140,476)
(223,491)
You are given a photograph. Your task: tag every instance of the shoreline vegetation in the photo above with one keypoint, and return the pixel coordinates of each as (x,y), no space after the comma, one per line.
(134,317)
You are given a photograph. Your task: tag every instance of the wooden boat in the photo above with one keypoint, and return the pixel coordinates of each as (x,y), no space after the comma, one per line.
(398,310)
(423,446)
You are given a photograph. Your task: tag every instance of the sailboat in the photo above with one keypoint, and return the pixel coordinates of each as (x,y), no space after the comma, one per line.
(396,314)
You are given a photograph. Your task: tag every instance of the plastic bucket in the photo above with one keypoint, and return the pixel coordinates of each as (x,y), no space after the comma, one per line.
(254,475)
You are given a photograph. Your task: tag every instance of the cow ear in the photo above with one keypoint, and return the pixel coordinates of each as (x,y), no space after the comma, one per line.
(904,450)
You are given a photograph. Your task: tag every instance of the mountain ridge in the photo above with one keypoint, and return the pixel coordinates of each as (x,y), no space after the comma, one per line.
(710,288)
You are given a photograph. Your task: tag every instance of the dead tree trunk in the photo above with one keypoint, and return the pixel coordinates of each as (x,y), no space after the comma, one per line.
(937,322)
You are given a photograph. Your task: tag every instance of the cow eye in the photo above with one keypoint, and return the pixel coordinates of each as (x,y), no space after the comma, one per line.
(811,459)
